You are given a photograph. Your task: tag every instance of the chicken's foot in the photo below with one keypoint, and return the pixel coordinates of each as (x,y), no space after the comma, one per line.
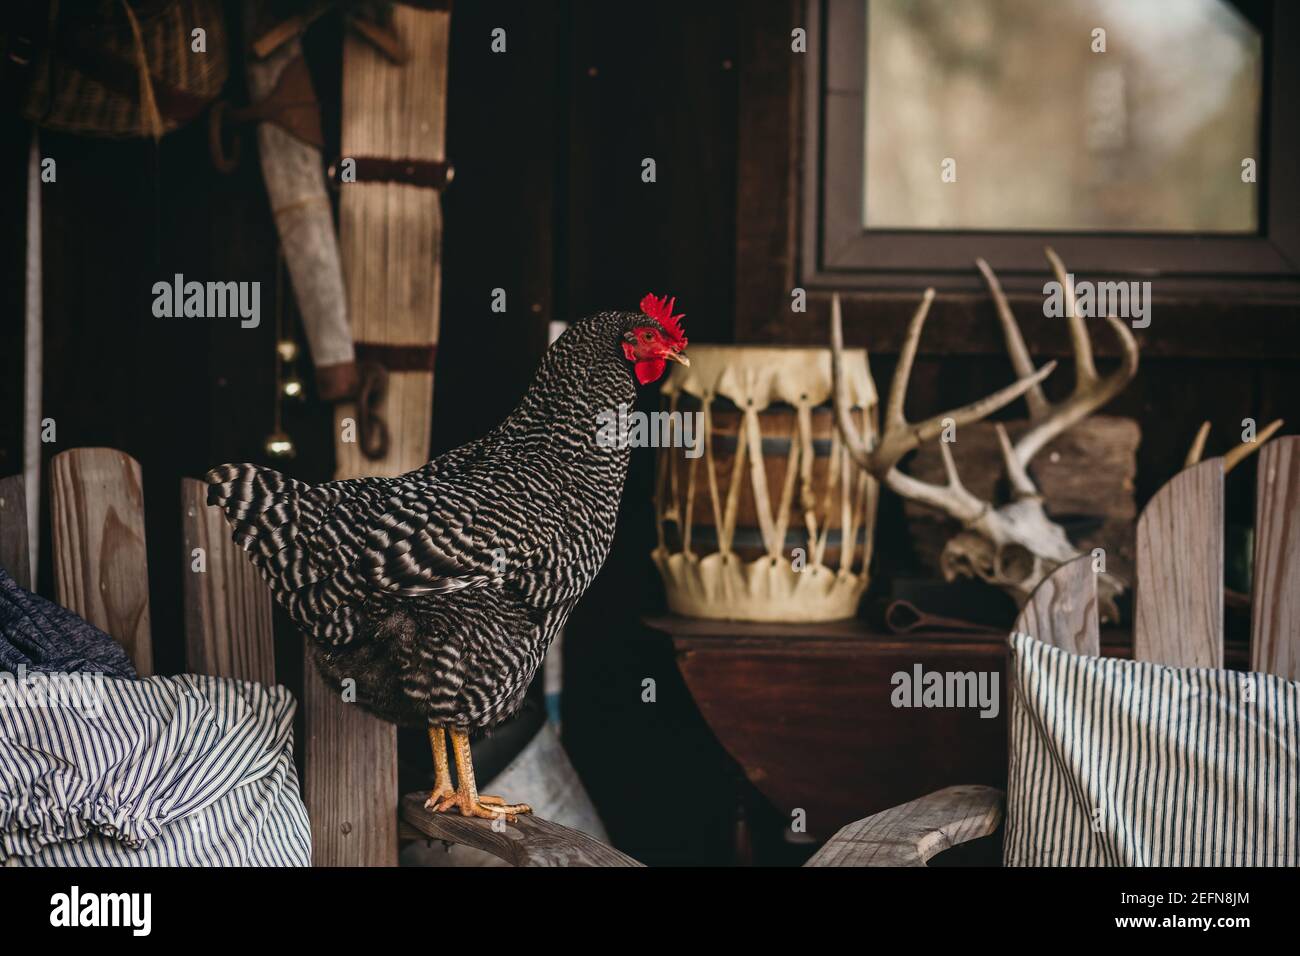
(442,787)
(466,798)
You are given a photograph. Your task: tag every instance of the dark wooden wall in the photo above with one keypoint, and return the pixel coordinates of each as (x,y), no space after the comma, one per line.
(548,203)
(655,80)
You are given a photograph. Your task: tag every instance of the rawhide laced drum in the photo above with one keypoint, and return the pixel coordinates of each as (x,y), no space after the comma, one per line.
(772,521)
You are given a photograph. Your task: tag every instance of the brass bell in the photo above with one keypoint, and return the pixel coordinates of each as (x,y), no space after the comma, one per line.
(280,445)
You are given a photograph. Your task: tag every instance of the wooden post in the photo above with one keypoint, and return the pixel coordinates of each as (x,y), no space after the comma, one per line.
(350,779)
(100,569)
(228,630)
(389,234)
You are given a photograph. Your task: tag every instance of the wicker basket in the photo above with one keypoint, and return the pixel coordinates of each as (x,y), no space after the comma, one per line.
(87,78)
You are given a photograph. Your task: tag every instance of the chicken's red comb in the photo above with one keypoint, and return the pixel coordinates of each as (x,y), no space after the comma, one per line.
(661,310)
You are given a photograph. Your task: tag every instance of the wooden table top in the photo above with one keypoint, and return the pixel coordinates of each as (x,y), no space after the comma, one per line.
(856,635)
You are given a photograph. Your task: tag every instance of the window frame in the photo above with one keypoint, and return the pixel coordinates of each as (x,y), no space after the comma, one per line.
(837,251)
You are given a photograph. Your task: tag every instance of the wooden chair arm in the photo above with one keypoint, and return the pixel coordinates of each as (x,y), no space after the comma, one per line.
(531,841)
(910,834)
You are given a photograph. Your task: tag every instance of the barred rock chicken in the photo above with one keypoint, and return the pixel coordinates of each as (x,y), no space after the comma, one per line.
(439,591)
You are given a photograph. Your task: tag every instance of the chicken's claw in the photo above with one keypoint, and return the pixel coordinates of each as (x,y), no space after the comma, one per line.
(484,806)
(438,795)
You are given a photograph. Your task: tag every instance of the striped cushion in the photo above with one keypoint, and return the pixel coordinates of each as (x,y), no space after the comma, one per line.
(1121,763)
(169,771)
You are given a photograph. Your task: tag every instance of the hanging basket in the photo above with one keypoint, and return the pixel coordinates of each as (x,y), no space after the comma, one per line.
(102,61)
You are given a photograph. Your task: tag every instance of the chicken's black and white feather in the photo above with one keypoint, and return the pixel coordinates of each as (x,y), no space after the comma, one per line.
(438,591)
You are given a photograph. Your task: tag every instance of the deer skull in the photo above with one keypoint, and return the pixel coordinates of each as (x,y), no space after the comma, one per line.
(1013,545)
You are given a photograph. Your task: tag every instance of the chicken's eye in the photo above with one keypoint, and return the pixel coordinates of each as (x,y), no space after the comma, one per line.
(648,337)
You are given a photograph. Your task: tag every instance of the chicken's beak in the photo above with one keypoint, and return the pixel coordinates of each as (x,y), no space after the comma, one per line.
(677,357)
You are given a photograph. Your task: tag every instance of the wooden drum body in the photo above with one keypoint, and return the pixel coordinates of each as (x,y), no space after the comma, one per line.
(773,521)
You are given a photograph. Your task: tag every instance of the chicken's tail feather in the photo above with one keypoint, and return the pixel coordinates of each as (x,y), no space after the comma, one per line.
(272,516)
(265,510)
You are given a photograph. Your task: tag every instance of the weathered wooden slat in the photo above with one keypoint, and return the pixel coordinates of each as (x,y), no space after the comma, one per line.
(100,568)
(228,631)
(350,780)
(14,555)
(390,237)
(912,833)
(1178,618)
(1062,611)
(530,841)
(390,234)
(1275,624)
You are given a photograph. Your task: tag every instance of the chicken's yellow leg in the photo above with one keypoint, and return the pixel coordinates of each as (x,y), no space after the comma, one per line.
(442,772)
(467,797)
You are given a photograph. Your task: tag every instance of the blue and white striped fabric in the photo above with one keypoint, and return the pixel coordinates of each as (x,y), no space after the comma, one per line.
(168,771)
(1121,763)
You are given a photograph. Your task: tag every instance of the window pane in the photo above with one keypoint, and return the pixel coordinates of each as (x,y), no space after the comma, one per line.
(1044,133)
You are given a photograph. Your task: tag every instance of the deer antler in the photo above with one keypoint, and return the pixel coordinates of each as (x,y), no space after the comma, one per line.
(899,436)
(1091,391)
(1013,545)
(1234,456)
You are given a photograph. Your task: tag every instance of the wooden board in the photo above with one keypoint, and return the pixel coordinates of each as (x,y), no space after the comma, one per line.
(350,780)
(390,237)
(912,833)
(228,630)
(100,569)
(390,234)
(1275,623)
(14,554)
(1178,605)
(1062,611)
(529,841)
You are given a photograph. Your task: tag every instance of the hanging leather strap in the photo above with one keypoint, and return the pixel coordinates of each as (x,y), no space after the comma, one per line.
(398,358)
(426,173)
(291,105)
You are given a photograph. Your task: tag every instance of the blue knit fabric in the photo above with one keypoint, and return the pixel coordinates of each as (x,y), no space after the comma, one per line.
(45,638)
